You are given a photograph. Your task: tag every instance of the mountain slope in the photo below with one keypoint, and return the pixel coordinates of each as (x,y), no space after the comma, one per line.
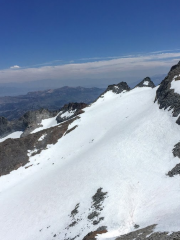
(108,175)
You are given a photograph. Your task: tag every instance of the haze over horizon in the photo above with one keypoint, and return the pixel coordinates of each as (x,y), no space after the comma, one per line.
(86,43)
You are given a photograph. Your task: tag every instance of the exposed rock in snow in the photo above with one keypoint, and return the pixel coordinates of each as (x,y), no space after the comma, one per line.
(69,111)
(117,88)
(176,153)
(146,82)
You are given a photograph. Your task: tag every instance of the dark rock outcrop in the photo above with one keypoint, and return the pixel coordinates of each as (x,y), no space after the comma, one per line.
(97,207)
(118,88)
(165,96)
(176,150)
(72,110)
(146,82)
(15,153)
(176,169)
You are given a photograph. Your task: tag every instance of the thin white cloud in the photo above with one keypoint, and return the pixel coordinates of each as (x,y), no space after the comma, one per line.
(126,66)
(54,62)
(15,67)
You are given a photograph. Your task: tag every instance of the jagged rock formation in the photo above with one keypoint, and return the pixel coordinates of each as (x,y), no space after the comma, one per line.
(70,110)
(146,82)
(15,153)
(118,88)
(165,96)
(27,123)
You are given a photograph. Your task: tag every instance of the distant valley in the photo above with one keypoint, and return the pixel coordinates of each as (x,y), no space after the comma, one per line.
(12,107)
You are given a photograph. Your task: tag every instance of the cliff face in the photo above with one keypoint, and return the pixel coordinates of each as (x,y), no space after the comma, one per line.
(167,97)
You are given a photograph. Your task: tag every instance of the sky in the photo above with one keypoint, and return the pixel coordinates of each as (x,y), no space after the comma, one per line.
(87,42)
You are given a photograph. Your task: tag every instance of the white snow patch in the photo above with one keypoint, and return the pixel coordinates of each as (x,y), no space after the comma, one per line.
(146,83)
(42,137)
(12,135)
(175,84)
(46,123)
(68,114)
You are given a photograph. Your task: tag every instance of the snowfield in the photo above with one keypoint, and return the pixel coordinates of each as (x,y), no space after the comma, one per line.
(123,144)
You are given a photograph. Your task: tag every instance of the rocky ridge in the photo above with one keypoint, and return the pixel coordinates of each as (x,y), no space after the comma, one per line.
(118,88)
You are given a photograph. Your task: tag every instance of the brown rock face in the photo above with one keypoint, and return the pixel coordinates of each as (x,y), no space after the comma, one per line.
(93,235)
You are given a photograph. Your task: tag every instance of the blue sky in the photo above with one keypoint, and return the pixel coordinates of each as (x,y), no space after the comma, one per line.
(37,35)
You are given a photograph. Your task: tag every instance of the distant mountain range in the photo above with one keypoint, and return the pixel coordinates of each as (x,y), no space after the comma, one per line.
(12,107)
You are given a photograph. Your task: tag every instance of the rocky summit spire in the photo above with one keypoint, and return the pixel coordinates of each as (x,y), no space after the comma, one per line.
(146,82)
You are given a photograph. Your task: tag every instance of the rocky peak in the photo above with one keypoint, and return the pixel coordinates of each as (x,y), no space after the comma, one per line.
(146,82)
(118,88)
(73,106)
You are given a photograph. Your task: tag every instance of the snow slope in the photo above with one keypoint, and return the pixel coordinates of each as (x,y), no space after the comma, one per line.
(123,144)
